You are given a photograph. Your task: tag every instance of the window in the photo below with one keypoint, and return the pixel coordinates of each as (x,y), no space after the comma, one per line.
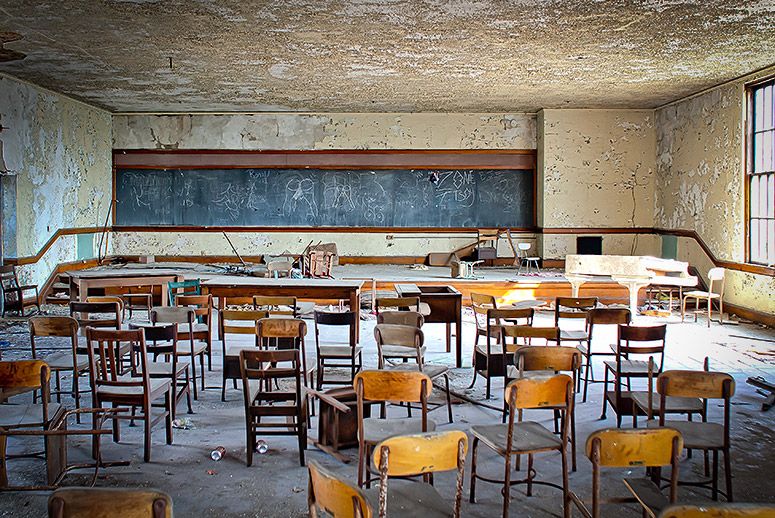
(761,173)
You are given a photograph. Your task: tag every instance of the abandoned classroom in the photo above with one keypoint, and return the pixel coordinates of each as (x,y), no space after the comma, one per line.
(387,258)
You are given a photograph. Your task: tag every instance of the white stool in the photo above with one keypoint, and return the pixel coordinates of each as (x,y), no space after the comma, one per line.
(525,260)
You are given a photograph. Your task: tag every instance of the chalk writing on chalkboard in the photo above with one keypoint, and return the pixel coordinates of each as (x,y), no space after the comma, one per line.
(311,198)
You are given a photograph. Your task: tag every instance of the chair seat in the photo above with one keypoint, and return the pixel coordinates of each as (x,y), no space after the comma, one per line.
(376,430)
(528,437)
(432,370)
(26,416)
(573,335)
(158,386)
(409,499)
(198,328)
(184,348)
(164,369)
(496,349)
(630,367)
(696,435)
(673,405)
(64,361)
(400,351)
(700,294)
(338,351)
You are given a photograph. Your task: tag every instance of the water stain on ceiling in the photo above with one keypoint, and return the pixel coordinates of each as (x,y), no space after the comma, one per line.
(385,55)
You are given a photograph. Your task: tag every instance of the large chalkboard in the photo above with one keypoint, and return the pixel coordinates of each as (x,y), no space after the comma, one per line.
(324,198)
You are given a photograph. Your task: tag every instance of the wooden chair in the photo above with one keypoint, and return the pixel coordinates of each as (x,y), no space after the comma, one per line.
(162,340)
(14,298)
(138,301)
(382,387)
(233,322)
(350,354)
(600,317)
(527,437)
(203,309)
(632,340)
(648,402)
(137,391)
(404,343)
(47,420)
(184,318)
(108,299)
(491,359)
(401,318)
(279,269)
(573,308)
(190,287)
(62,360)
(285,334)
(104,502)
(418,455)
(715,275)
(480,303)
(526,260)
(105,315)
(704,436)
(330,494)
(259,370)
(625,449)
(536,361)
(719,511)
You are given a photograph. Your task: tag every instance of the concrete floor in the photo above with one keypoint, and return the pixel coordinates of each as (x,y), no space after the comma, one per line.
(275,486)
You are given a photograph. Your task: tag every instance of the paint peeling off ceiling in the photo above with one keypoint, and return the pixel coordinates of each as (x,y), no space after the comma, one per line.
(385,56)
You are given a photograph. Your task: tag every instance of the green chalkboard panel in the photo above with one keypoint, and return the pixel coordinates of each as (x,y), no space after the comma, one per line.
(324,198)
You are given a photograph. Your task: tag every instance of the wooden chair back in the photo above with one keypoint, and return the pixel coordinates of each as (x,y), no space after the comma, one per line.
(401,318)
(714,510)
(96,314)
(422,454)
(607,316)
(511,314)
(24,374)
(403,386)
(716,276)
(573,307)
(173,315)
(233,321)
(399,303)
(394,334)
(281,328)
(627,448)
(8,276)
(160,340)
(481,303)
(190,287)
(548,359)
(56,326)
(105,363)
(335,496)
(107,298)
(105,502)
(527,393)
(277,305)
(549,334)
(201,304)
(641,339)
(339,319)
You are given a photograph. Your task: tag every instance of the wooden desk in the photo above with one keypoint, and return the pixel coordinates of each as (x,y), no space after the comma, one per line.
(83,280)
(446,305)
(223,287)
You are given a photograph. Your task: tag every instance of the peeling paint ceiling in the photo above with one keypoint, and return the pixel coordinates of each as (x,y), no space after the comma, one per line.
(385,55)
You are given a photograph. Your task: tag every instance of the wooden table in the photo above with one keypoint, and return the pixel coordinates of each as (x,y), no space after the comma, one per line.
(223,287)
(446,305)
(83,280)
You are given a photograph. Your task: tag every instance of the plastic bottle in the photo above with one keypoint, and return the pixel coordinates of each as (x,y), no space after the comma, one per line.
(261,446)
(218,453)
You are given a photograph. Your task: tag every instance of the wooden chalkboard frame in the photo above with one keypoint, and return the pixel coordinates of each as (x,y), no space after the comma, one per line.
(505,160)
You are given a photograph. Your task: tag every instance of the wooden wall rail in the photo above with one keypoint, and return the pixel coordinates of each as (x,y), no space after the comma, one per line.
(690,234)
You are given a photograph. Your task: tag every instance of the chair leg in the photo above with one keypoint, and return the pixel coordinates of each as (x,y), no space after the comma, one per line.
(709,310)
(59,388)
(193,375)
(573,439)
(728,475)
(605,396)
(530,474)
(472,490)
(449,398)
(587,373)
(507,487)
(251,443)
(487,381)
(76,389)
(188,393)
(683,308)
(170,407)
(714,476)
(565,483)
(223,388)
(147,433)
(202,365)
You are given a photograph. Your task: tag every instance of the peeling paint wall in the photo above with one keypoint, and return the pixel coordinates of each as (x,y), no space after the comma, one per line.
(60,150)
(597,170)
(700,167)
(315,131)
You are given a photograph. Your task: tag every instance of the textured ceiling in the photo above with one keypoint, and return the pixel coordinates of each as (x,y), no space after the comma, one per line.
(385,55)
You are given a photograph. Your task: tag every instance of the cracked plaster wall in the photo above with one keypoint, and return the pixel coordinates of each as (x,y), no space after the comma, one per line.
(596,169)
(314,131)
(60,150)
(700,166)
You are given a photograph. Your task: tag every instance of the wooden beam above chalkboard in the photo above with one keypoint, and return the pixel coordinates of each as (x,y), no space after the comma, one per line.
(518,159)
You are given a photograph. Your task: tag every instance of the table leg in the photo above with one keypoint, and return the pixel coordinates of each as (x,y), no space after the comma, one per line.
(83,290)
(459,341)
(449,336)
(164,296)
(355,306)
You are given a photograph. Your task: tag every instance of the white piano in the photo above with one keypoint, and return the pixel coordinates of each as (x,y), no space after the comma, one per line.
(633,272)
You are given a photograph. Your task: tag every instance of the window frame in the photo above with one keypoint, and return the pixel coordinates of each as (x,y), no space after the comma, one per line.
(749,160)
